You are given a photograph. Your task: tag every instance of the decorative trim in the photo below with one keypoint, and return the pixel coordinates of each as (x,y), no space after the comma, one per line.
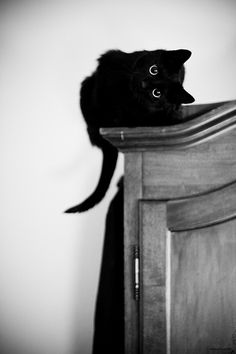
(203,210)
(188,133)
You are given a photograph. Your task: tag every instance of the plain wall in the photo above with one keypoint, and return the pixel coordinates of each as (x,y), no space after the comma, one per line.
(49,261)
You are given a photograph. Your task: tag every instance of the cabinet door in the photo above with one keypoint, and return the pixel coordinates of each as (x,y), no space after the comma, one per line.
(188,275)
(203,290)
(153,244)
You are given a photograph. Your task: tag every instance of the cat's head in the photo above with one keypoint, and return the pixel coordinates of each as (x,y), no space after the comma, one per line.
(157,78)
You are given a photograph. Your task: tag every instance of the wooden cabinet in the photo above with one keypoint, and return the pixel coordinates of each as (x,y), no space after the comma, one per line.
(180,235)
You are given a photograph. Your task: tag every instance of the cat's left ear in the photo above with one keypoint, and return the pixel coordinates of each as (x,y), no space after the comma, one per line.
(183,96)
(176,58)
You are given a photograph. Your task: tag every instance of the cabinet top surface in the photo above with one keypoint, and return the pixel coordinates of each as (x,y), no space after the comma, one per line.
(200,123)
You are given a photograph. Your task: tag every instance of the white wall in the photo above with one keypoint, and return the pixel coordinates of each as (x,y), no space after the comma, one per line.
(49,261)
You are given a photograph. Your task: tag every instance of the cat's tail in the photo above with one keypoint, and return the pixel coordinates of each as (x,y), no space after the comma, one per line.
(110,155)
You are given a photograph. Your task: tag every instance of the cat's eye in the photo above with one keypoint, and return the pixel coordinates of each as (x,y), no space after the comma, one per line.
(153,70)
(156,93)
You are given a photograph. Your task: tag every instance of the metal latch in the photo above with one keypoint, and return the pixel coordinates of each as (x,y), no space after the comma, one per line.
(136,273)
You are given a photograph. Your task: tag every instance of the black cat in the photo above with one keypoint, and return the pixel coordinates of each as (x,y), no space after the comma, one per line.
(142,88)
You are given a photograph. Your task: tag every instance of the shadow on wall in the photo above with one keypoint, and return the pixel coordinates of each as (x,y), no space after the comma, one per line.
(92,239)
(11,348)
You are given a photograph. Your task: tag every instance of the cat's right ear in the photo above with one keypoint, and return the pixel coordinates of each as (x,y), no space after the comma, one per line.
(181,55)
(176,58)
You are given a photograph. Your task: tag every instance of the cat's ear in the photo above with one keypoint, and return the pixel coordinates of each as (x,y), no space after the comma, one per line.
(181,55)
(176,58)
(179,95)
(183,96)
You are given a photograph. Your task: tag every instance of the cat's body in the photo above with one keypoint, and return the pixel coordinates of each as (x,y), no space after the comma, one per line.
(142,88)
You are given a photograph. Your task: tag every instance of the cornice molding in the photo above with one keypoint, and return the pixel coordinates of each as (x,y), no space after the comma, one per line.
(195,129)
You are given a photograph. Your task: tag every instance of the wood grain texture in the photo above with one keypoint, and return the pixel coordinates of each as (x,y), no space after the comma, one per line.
(178,173)
(188,133)
(132,193)
(204,210)
(153,330)
(203,311)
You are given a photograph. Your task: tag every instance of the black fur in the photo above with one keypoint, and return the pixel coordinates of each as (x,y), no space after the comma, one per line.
(121,93)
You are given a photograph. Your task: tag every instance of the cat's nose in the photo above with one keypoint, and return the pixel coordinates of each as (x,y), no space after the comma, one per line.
(144,84)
